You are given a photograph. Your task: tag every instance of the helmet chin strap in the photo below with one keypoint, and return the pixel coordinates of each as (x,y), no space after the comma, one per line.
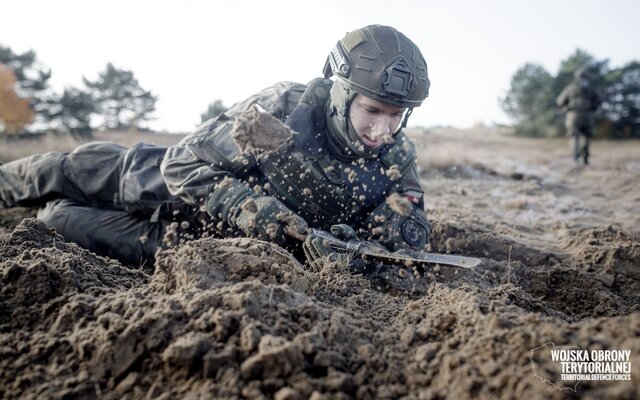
(405,119)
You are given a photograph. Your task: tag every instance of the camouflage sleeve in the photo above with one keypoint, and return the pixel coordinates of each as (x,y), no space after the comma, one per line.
(563,98)
(193,167)
(410,186)
(405,157)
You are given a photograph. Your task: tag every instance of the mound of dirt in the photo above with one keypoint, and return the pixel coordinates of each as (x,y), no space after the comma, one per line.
(240,318)
(231,318)
(40,272)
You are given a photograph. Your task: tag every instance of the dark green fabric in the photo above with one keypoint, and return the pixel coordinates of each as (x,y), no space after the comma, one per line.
(92,199)
(90,174)
(113,233)
(318,254)
(396,231)
(312,106)
(402,154)
(233,205)
(226,198)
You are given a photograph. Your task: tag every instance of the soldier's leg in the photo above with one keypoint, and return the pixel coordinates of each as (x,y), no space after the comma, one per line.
(575,142)
(587,131)
(585,148)
(574,139)
(90,174)
(112,233)
(31,180)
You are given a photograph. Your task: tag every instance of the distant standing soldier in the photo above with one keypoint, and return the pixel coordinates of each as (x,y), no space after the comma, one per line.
(579,100)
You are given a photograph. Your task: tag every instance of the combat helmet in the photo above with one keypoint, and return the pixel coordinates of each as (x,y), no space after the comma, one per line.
(582,73)
(583,77)
(378,62)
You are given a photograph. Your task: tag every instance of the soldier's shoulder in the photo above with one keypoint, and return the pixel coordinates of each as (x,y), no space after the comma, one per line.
(286,86)
(406,143)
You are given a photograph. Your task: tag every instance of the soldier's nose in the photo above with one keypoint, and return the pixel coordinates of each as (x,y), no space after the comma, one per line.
(389,125)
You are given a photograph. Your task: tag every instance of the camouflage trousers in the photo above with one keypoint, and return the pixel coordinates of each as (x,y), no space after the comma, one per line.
(579,127)
(105,197)
(580,145)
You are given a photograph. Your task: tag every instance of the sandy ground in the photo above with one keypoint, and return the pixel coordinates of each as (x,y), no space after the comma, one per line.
(239,318)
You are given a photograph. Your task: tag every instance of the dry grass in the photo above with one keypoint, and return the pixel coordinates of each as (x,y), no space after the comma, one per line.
(441,148)
(14,148)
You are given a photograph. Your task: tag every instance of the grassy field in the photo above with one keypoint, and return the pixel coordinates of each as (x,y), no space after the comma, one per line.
(12,148)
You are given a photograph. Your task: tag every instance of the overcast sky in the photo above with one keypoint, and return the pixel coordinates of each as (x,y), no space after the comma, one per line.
(190,53)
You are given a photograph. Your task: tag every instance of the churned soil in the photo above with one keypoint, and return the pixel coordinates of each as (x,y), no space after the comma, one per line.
(241,318)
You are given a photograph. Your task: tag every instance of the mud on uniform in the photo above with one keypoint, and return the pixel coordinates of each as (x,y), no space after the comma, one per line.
(303,173)
(118,202)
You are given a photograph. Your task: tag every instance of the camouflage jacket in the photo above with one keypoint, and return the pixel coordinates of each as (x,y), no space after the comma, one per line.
(578,98)
(193,167)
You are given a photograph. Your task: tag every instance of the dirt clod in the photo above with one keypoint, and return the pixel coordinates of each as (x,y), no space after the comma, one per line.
(234,318)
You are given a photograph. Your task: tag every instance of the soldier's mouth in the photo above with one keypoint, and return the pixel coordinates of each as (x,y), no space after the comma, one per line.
(371,142)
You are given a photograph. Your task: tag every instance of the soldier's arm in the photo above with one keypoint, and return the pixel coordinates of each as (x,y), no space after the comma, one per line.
(193,167)
(400,222)
(562,99)
(188,175)
(410,181)
(411,188)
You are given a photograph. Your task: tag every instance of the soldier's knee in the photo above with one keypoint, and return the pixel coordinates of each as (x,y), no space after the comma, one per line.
(95,154)
(55,213)
(99,148)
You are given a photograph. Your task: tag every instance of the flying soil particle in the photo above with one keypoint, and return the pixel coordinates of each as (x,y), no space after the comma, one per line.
(399,204)
(255,130)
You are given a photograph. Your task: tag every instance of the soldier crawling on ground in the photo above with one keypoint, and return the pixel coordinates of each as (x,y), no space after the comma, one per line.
(347,166)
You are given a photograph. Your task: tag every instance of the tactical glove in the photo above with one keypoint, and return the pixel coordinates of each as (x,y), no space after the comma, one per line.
(398,224)
(317,252)
(260,217)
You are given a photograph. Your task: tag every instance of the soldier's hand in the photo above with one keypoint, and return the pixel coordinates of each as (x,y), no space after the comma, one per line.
(262,217)
(266,218)
(318,253)
(398,224)
(343,232)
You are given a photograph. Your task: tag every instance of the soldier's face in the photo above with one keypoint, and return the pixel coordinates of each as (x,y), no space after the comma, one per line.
(375,122)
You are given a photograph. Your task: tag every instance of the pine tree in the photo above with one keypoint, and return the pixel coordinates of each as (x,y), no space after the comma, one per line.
(120,99)
(216,108)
